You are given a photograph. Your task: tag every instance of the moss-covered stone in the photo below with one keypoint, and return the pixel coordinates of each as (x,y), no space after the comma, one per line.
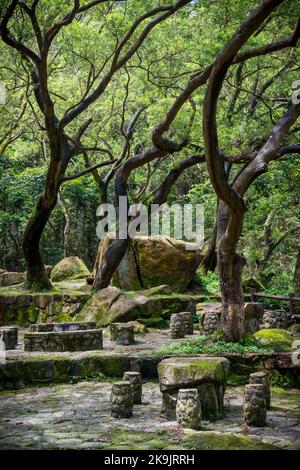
(216,441)
(133,440)
(69,268)
(188,371)
(294,330)
(153,261)
(112,305)
(277,339)
(59,369)
(207,374)
(24,308)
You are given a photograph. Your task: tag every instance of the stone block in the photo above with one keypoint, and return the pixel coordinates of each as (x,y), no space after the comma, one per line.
(177,326)
(262,378)
(82,340)
(135,380)
(121,400)
(188,408)
(255,409)
(9,337)
(122,333)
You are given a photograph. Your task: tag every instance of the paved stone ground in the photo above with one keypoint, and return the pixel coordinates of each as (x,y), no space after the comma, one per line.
(76,416)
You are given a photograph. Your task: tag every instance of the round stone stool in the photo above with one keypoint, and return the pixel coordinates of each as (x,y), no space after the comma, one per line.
(135,380)
(121,400)
(122,333)
(177,326)
(188,408)
(188,322)
(255,409)
(262,378)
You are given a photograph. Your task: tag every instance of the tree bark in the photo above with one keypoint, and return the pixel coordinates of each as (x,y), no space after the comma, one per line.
(67,228)
(230,267)
(37,279)
(209,255)
(297,274)
(111,261)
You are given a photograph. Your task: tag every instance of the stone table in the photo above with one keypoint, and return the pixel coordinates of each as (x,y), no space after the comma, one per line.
(207,374)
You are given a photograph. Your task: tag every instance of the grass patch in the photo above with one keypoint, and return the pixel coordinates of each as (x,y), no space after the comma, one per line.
(212,344)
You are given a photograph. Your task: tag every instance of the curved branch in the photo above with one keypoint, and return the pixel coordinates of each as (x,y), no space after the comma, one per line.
(225,58)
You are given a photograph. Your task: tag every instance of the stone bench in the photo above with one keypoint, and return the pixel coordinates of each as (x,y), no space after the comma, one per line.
(207,374)
(9,337)
(83,340)
(68,326)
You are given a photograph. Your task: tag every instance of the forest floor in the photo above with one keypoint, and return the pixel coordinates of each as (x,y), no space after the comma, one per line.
(77,416)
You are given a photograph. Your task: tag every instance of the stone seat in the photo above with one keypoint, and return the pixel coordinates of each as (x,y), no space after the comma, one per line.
(50,341)
(67,326)
(207,374)
(8,337)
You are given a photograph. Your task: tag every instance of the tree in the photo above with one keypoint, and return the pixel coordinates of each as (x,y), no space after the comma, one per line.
(233,208)
(63,147)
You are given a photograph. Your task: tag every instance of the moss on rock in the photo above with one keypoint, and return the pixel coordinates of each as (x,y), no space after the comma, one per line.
(184,371)
(275,338)
(69,268)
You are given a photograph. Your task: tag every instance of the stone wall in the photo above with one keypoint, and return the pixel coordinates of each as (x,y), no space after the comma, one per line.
(52,341)
(26,309)
(255,316)
(276,319)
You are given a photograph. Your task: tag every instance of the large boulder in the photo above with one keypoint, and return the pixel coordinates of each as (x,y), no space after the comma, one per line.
(275,338)
(207,374)
(153,261)
(11,278)
(69,269)
(113,305)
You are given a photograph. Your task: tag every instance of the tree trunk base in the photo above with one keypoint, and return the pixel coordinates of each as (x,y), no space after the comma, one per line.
(230,266)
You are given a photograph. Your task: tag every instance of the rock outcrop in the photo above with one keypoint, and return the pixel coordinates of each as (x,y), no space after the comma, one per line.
(113,305)
(279,340)
(8,278)
(153,261)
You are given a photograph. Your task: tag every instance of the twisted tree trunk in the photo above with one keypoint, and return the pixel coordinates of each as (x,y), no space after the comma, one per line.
(37,278)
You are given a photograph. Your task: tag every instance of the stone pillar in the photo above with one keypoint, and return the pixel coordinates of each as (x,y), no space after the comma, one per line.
(177,326)
(188,408)
(188,322)
(135,380)
(121,400)
(112,331)
(255,409)
(123,334)
(9,336)
(262,378)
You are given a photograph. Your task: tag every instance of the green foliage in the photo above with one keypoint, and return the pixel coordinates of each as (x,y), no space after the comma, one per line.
(184,44)
(209,283)
(212,344)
